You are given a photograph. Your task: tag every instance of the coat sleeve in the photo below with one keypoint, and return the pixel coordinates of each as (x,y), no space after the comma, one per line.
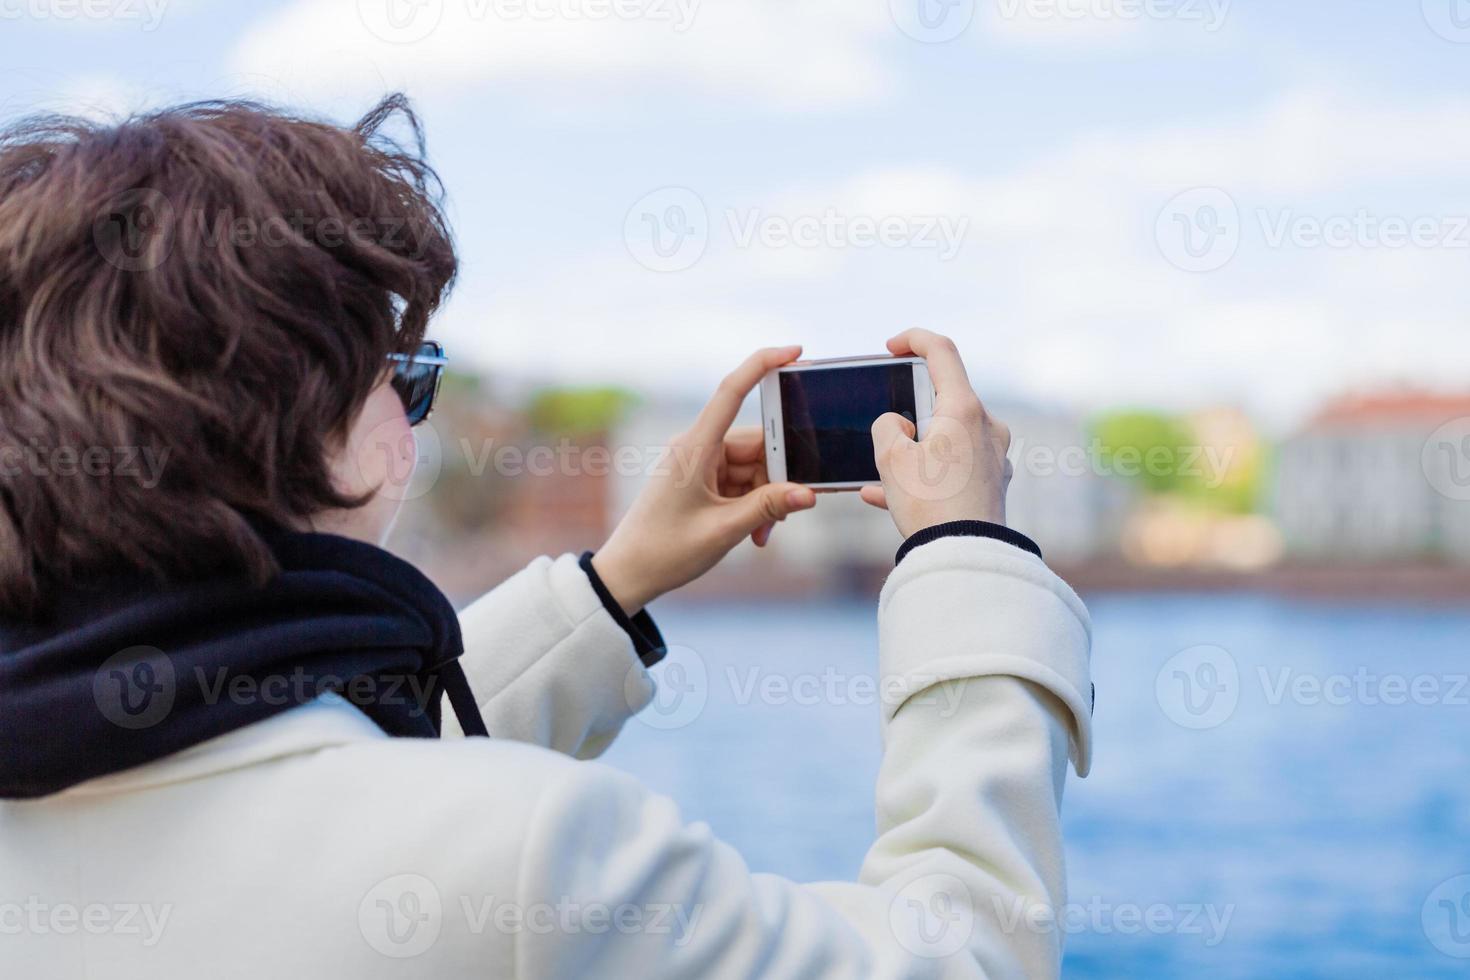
(548,664)
(987,653)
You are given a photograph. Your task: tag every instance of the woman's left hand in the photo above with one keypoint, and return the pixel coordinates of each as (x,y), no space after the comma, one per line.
(710,492)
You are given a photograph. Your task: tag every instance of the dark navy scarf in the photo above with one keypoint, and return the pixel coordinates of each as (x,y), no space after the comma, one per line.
(126,673)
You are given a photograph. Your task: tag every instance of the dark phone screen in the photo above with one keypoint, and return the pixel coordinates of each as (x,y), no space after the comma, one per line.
(828,416)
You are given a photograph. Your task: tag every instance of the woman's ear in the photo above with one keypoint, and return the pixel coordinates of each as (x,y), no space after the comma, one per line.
(377,458)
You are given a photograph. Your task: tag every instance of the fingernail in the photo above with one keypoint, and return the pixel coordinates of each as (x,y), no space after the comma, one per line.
(800,498)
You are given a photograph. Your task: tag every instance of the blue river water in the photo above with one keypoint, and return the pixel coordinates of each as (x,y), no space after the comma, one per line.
(1280,788)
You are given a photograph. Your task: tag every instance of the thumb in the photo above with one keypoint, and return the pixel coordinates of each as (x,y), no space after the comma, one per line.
(771,503)
(890,431)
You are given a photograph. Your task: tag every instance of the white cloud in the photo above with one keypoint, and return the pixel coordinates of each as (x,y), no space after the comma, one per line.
(98,96)
(795,55)
(1061,291)
(1308,140)
(91,95)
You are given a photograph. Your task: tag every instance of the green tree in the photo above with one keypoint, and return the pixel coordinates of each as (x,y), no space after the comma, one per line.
(1145,447)
(575,412)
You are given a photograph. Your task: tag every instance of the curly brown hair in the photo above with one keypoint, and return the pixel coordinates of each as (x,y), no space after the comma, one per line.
(194,305)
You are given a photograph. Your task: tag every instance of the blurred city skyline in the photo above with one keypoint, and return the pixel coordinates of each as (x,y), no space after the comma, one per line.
(1178,203)
(1369,497)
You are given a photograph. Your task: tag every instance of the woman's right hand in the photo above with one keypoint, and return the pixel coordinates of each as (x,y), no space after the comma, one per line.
(711,497)
(959,470)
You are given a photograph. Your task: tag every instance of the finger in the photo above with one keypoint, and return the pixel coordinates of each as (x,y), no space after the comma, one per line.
(889,429)
(769,504)
(762,534)
(745,444)
(720,413)
(946,368)
(874,495)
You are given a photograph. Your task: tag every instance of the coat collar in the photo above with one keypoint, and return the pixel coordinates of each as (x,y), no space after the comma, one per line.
(327,722)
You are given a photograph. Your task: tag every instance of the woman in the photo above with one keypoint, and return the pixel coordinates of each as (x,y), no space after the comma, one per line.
(226,749)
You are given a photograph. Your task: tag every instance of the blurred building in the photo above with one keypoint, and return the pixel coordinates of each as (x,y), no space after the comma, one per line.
(1207,518)
(1060,495)
(1370,480)
(1378,478)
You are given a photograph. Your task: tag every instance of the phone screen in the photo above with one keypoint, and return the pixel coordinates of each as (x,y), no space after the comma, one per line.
(828,416)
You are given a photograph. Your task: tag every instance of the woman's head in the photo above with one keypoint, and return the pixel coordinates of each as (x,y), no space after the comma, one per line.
(197,310)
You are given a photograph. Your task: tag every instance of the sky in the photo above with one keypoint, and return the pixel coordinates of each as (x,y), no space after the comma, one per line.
(1168,203)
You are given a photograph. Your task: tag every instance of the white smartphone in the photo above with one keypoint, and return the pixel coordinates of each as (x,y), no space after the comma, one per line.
(818,416)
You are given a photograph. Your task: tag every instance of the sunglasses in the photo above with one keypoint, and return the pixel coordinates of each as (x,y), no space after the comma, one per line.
(416,379)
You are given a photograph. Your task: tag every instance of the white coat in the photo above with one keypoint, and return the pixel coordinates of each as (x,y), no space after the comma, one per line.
(311,846)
